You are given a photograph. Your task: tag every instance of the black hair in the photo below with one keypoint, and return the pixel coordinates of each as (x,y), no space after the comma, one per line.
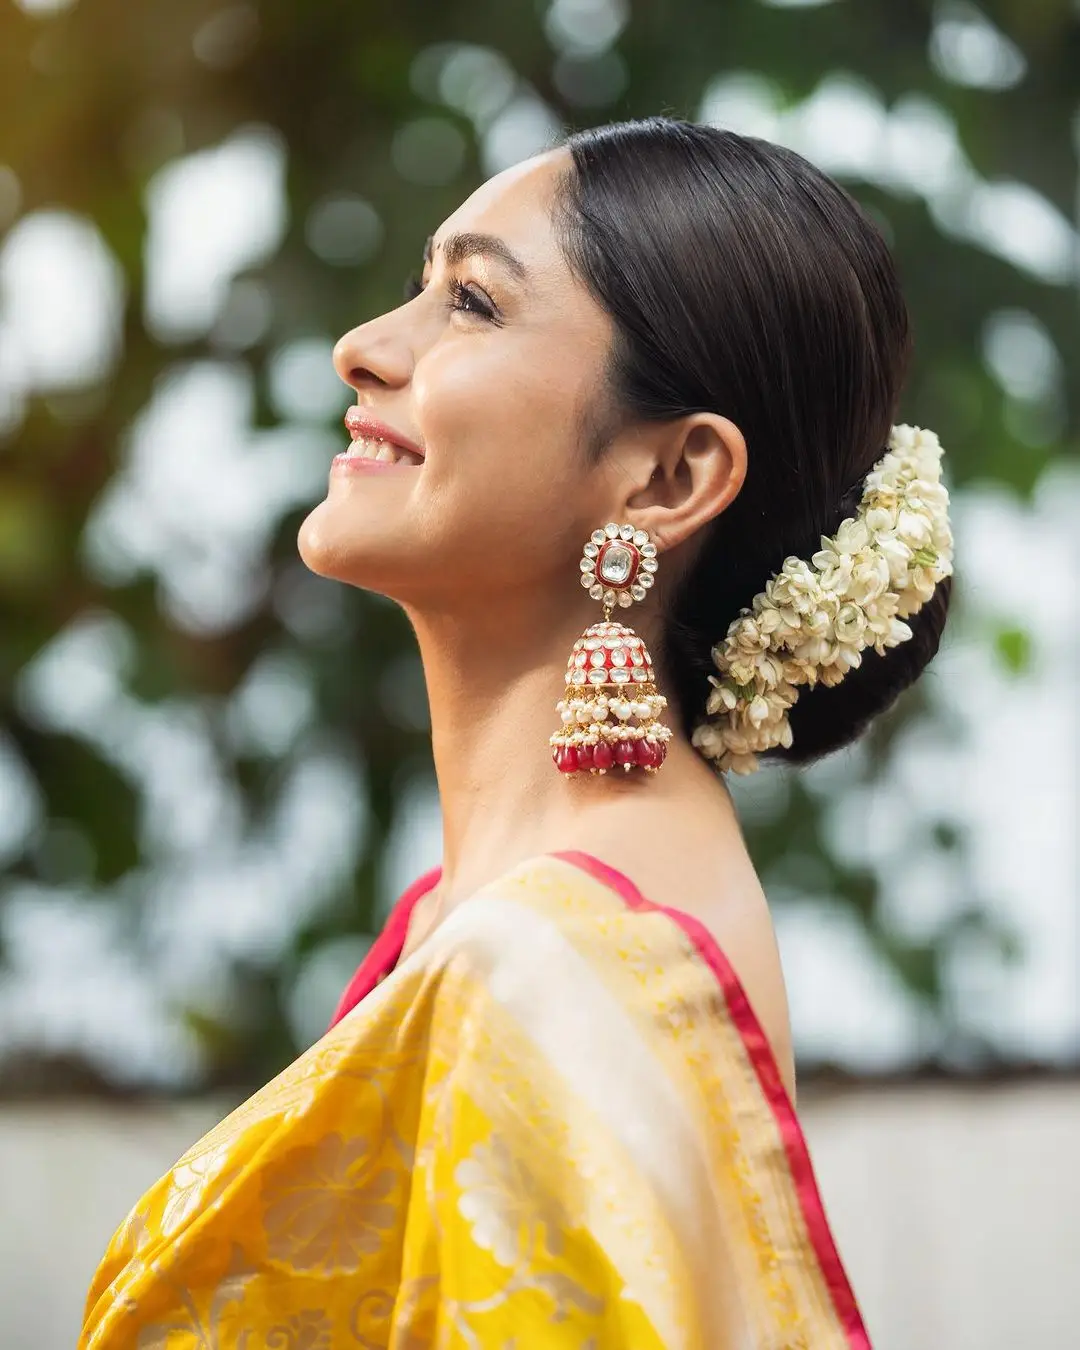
(742,280)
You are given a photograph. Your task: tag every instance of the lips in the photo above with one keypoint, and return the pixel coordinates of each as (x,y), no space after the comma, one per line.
(374,440)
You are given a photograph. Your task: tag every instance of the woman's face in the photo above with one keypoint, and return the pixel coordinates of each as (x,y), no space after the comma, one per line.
(494,372)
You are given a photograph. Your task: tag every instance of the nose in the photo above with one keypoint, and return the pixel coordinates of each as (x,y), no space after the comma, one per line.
(375,354)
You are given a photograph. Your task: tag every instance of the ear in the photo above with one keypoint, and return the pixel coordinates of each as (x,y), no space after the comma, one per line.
(677,476)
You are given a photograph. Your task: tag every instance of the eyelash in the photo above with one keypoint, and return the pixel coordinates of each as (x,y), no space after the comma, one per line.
(462,298)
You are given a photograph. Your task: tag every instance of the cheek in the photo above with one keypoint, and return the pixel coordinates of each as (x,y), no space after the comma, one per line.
(498,417)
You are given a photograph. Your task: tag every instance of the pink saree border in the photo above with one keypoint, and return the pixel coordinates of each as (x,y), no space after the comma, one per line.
(383,953)
(768,1073)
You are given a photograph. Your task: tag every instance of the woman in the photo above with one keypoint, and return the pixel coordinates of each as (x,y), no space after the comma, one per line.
(550,1110)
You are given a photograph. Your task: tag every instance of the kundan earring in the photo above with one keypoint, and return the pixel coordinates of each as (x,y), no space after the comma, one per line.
(610,709)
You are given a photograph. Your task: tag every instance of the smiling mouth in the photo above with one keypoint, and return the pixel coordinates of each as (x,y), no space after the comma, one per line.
(383,452)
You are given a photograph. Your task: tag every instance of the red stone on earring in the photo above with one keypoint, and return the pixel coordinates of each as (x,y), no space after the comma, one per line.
(565,757)
(624,753)
(585,757)
(647,755)
(602,756)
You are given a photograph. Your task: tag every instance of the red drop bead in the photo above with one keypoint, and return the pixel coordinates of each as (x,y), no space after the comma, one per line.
(567,761)
(585,756)
(661,752)
(646,754)
(624,752)
(602,757)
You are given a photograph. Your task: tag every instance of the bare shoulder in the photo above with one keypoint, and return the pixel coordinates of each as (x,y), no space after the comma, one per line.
(719,888)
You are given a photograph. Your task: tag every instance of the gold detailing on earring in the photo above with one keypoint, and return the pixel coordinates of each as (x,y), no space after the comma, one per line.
(611,706)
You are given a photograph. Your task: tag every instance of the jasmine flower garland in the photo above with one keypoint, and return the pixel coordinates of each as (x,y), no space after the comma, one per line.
(814,620)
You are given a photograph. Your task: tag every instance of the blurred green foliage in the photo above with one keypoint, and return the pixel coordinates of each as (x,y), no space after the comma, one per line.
(96,98)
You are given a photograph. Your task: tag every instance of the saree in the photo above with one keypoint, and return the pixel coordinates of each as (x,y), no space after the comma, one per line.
(557,1123)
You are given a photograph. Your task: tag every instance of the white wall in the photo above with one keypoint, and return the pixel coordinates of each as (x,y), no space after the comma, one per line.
(957,1211)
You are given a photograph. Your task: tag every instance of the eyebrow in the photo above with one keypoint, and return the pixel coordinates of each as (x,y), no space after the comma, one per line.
(457,247)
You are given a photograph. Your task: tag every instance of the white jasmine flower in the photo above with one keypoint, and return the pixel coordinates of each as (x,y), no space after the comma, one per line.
(869,579)
(813,621)
(819,624)
(769,620)
(740,668)
(757,711)
(749,637)
(880,518)
(830,676)
(928,496)
(815,651)
(738,742)
(722,699)
(852,537)
(770,670)
(796,587)
(913,528)
(896,553)
(709,739)
(904,437)
(850,624)
(836,577)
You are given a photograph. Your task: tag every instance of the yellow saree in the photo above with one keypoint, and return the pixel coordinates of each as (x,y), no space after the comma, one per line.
(557,1123)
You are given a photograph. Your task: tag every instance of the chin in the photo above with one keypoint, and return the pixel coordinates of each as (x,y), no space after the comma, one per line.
(328,547)
(336,545)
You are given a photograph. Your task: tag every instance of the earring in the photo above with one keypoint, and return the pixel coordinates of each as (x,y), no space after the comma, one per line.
(611,705)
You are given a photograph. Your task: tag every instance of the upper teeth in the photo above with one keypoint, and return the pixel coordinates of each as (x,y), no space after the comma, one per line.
(367,447)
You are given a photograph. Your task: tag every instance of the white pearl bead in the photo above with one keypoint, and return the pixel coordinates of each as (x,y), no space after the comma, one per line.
(567,715)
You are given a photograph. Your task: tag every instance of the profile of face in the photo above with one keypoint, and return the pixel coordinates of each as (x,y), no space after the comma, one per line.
(494,382)
(494,373)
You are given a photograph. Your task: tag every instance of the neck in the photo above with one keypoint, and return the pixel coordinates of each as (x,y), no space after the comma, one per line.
(493,683)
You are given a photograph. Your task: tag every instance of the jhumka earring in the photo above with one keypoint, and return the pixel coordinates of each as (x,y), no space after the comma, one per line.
(610,709)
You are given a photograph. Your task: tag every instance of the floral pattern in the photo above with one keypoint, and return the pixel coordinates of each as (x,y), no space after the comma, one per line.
(503,1204)
(202,1322)
(321,1213)
(194,1186)
(310,1329)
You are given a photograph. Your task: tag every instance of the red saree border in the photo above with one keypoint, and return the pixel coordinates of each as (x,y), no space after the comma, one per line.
(383,953)
(768,1073)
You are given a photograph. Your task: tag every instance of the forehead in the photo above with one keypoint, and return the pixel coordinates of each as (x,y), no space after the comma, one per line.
(516,205)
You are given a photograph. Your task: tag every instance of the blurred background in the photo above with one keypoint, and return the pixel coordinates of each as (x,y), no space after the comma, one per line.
(214,767)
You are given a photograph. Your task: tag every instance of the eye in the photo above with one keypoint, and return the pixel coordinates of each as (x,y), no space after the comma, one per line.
(464,298)
(469,300)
